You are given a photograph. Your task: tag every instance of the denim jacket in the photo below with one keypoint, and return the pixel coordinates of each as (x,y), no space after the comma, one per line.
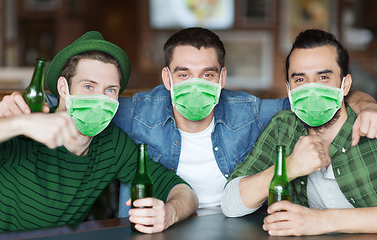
(148,118)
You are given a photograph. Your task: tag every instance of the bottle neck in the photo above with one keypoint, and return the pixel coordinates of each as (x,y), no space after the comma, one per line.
(38,75)
(142,164)
(280,161)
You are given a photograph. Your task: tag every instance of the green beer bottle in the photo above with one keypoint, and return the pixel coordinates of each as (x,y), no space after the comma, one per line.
(34,94)
(142,184)
(279,186)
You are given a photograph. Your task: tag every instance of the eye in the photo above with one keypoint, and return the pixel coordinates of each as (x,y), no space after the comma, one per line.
(300,80)
(208,75)
(89,87)
(183,75)
(112,90)
(324,77)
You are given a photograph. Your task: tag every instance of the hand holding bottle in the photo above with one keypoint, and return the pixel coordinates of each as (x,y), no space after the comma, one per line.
(15,104)
(141,186)
(149,214)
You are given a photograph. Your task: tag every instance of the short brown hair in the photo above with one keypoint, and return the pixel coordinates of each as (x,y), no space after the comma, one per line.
(196,37)
(69,69)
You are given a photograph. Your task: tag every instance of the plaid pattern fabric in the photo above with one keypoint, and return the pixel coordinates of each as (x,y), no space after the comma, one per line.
(355,168)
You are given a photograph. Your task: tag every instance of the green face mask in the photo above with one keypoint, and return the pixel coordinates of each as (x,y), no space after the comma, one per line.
(314,103)
(195,98)
(91,113)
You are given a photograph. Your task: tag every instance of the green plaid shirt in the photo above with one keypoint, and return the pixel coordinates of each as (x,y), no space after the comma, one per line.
(355,168)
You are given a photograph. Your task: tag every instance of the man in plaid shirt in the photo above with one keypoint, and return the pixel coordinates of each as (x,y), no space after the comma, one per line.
(333,183)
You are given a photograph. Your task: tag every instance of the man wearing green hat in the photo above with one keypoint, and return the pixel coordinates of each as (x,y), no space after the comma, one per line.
(54,176)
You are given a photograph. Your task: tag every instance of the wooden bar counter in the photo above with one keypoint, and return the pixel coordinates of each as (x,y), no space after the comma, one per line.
(212,225)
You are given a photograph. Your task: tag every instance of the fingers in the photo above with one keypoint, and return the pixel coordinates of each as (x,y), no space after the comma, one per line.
(365,125)
(322,155)
(20,102)
(71,131)
(13,104)
(149,229)
(46,108)
(53,130)
(148,202)
(65,132)
(128,203)
(294,220)
(355,132)
(280,206)
(150,218)
(279,222)
(309,155)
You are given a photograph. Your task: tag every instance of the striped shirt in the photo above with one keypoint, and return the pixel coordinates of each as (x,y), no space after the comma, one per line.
(354,167)
(42,187)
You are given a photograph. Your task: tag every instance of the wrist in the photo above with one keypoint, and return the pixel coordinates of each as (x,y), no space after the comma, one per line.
(19,125)
(171,215)
(290,169)
(328,225)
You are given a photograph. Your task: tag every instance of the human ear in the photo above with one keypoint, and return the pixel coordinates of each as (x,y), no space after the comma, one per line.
(347,84)
(165,77)
(223,77)
(62,88)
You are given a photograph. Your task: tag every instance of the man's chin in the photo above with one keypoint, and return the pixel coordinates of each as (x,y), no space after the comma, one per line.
(326,125)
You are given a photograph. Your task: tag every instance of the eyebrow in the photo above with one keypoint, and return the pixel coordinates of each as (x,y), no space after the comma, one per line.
(180,69)
(297,74)
(325,71)
(87,80)
(94,82)
(215,69)
(319,72)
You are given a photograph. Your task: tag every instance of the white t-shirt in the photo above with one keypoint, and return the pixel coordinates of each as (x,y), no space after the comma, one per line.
(198,166)
(324,191)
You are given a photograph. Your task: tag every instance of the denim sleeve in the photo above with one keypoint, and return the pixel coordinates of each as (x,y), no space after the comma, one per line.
(51,100)
(124,195)
(269,107)
(123,117)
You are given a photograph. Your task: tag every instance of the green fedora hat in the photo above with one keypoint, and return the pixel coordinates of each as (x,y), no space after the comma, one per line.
(90,41)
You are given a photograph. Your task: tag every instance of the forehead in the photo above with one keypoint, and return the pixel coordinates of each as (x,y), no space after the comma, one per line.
(97,71)
(313,59)
(191,57)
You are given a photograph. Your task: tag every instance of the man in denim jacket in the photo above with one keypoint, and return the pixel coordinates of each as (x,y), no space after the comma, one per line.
(204,151)
(226,135)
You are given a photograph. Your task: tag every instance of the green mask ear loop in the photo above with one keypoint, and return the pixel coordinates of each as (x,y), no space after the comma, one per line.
(171,85)
(67,105)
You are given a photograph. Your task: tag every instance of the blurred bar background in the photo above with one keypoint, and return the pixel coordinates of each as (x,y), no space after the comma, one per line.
(257,35)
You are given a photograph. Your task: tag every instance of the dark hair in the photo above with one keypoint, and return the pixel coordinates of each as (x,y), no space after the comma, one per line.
(313,38)
(69,69)
(195,37)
